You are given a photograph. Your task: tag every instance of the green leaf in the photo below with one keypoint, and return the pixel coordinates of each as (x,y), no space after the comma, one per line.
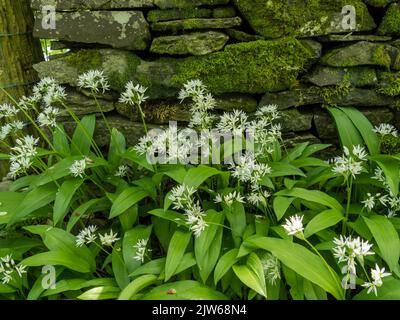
(390,290)
(313,196)
(322,221)
(387,239)
(60,141)
(64,197)
(58,258)
(281,204)
(137,285)
(100,293)
(302,261)
(224,264)
(365,128)
(169,215)
(197,176)
(140,160)
(91,206)
(348,133)
(252,274)
(34,200)
(77,284)
(281,169)
(208,245)
(128,198)
(183,290)
(391,167)
(119,268)
(117,147)
(176,250)
(83,135)
(128,245)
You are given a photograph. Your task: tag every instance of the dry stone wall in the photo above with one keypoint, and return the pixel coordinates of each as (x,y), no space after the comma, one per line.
(299,54)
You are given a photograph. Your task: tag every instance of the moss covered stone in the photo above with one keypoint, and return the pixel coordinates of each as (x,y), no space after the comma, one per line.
(165,4)
(178,14)
(378,3)
(197,44)
(363,53)
(277,18)
(196,23)
(391,21)
(389,83)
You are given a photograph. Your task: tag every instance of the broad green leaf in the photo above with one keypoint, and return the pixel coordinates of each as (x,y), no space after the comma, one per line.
(60,141)
(387,239)
(183,290)
(322,221)
(34,200)
(64,197)
(365,128)
(119,268)
(126,200)
(348,133)
(169,215)
(236,216)
(100,293)
(176,250)
(83,135)
(140,160)
(129,242)
(58,258)
(224,264)
(281,169)
(390,290)
(208,245)
(197,176)
(303,262)
(77,284)
(313,196)
(117,147)
(155,266)
(252,274)
(281,204)
(137,285)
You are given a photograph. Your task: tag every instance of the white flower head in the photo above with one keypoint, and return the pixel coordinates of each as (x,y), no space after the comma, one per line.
(385,129)
(77,169)
(294,226)
(192,88)
(230,198)
(122,171)
(108,239)
(235,122)
(141,250)
(95,80)
(133,94)
(272,268)
(86,236)
(377,275)
(181,196)
(48,117)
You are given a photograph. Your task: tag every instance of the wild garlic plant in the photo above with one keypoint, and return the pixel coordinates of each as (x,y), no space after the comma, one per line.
(219,209)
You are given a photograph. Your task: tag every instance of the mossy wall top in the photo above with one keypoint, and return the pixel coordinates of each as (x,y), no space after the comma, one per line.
(300,54)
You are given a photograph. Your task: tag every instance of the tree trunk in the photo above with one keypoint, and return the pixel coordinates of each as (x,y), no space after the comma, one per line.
(18,51)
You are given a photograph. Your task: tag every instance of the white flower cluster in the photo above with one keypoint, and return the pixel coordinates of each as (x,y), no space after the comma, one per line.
(133,95)
(171,145)
(141,250)
(181,197)
(122,171)
(22,155)
(230,198)
(348,249)
(8,269)
(94,80)
(272,268)
(89,235)
(12,125)
(202,103)
(385,129)
(294,226)
(77,169)
(47,91)
(390,201)
(248,170)
(350,164)
(48,117)
(377,275)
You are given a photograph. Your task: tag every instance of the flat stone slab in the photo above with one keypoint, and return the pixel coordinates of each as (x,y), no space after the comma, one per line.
(312,96)
(119,29)
(303,18)
(196,44)
(91,4)
(190,24)
(354,38)
(328,76)
(364,53)
(166,4)
(178,14)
